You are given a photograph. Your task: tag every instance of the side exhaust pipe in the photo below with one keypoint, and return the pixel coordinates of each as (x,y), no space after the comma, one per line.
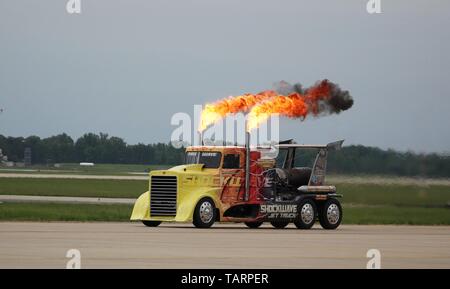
(247,166)
(200,138)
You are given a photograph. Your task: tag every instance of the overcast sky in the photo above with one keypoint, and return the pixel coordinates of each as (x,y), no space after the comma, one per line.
(125,67)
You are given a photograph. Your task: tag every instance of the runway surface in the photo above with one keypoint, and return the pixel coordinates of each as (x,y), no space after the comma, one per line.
(125,245)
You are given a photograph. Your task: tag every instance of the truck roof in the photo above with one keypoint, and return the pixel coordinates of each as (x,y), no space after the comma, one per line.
(222,149)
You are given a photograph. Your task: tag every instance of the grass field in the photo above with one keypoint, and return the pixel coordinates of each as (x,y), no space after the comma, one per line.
(363,203)
(395,195)
(72,187)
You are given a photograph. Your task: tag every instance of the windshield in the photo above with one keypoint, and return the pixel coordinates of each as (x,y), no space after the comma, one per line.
(280,158)
(209,159)
(191,158)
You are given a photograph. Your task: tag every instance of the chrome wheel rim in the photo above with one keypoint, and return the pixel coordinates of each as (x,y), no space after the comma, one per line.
(307,213)
(206,212)
(333,214)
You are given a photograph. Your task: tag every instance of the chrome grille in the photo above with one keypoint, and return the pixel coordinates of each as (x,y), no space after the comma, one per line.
(163,196)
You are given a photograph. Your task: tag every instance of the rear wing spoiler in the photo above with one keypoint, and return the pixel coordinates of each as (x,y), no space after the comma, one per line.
(337,145)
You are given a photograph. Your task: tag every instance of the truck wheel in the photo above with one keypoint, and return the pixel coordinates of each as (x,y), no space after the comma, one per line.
(253,225)
(204,214)
(279,224)
(330,214)
(306,215)
(151,223)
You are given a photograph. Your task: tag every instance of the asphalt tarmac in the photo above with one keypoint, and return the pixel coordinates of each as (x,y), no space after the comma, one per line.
(132,245)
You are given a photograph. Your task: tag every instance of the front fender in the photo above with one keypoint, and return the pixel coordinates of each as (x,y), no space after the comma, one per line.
(141,209)
(186,206)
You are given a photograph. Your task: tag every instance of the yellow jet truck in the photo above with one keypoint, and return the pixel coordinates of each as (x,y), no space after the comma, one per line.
(236,184)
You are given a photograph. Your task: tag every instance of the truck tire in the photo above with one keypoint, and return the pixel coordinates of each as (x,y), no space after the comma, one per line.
(204,213)
(330,214)
(151,223)
(306,215)
(279,224)
(253,225)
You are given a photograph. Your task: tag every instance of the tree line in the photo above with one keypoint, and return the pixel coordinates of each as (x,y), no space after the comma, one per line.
(96,148)
(101,148)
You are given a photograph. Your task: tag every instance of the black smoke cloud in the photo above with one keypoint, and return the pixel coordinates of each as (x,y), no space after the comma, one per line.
(338,101)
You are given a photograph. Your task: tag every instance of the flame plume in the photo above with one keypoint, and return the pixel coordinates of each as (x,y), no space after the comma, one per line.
(292,101)
(315,101)
(213,112)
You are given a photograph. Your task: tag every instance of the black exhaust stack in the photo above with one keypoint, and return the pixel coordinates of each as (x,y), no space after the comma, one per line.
(247,166)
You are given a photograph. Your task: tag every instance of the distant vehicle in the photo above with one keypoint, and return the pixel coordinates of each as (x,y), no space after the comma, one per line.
(234,184)
(87,164)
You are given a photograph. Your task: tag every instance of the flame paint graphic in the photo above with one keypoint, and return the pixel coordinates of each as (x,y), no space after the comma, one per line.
(323,98)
